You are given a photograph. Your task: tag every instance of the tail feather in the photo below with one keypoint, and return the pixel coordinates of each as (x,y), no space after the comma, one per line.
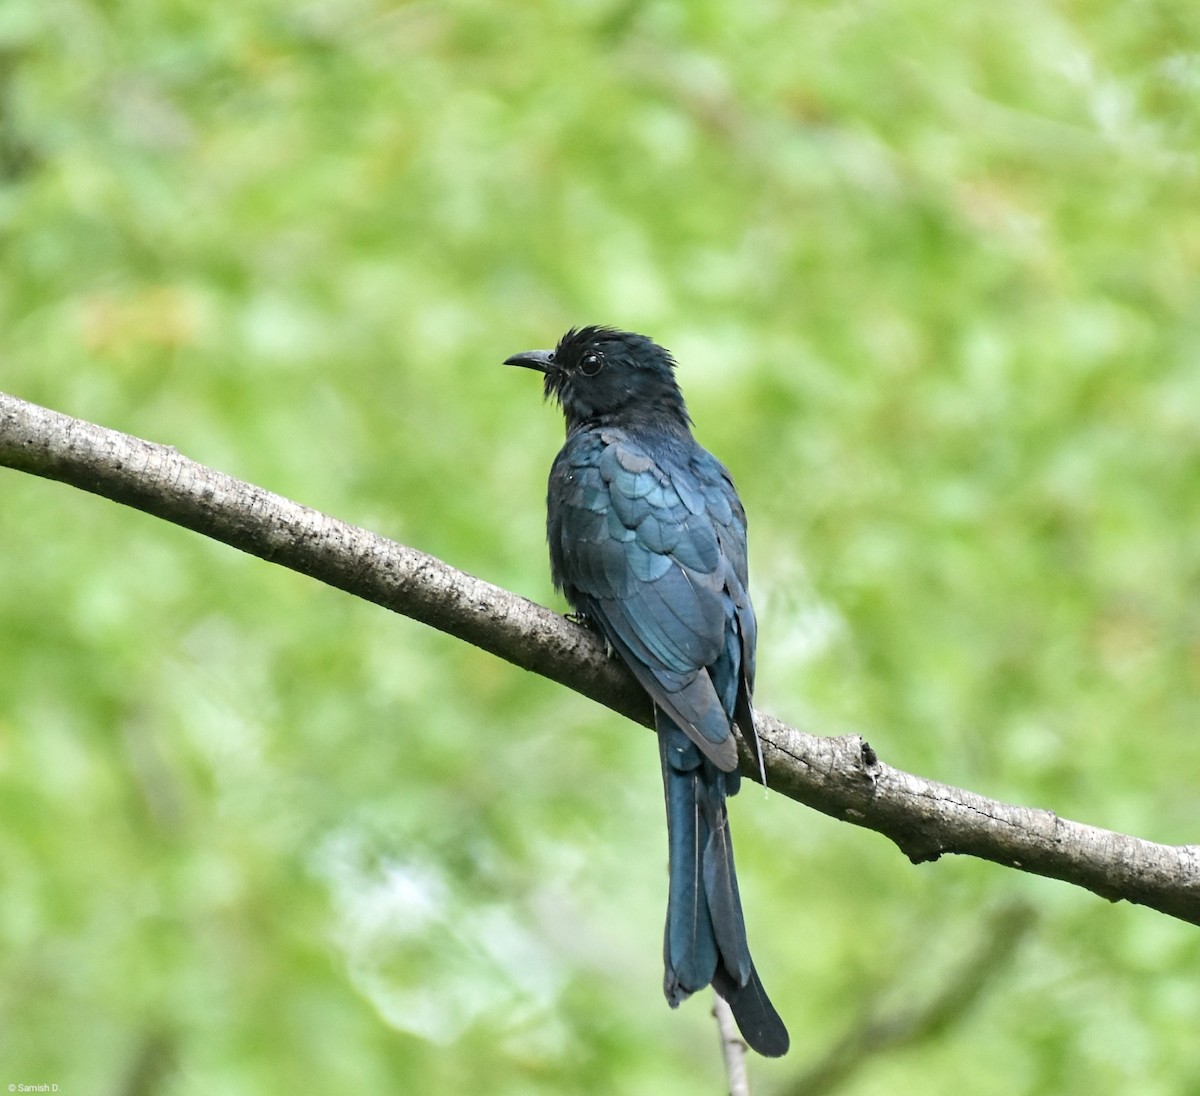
(756,1017)
(705,938)
(689,944)
(724,902)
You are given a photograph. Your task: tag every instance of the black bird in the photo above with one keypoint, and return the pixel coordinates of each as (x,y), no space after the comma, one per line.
(648,544)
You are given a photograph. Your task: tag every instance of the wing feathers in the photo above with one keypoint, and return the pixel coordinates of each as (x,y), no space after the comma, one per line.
(656,548)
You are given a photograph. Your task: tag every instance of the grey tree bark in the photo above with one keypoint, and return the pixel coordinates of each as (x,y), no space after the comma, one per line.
(839,776)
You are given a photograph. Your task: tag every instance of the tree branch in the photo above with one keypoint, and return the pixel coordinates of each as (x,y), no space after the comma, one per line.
(878,1030)
(841,777)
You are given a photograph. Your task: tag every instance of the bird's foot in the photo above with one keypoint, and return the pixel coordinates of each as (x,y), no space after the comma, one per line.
(585,621)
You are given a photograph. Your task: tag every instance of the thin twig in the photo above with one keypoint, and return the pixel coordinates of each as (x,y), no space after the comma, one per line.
(876,1030)
(733,1048)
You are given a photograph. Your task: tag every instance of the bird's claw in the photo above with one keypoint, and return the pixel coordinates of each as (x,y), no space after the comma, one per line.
(585,621)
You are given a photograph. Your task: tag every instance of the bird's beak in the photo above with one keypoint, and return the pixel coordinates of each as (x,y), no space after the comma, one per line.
(541,360)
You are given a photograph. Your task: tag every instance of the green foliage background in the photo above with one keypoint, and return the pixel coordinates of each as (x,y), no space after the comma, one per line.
(930,272)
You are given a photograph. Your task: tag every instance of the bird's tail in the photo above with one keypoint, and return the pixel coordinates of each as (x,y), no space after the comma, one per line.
(705,939)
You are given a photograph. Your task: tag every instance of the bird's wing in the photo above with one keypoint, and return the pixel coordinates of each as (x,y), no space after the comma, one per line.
(652,548)
(731,535)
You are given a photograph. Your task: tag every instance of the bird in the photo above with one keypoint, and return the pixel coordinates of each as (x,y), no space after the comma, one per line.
(647,540)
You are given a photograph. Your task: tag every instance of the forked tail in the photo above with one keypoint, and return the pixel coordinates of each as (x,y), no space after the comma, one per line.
(705,939)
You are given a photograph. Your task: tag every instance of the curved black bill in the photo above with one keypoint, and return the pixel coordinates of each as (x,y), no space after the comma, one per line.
(541,360)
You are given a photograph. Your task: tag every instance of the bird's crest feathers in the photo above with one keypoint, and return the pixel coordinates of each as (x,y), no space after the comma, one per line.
(602,375)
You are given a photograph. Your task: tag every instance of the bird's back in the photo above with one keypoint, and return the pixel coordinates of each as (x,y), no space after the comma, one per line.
(648,540)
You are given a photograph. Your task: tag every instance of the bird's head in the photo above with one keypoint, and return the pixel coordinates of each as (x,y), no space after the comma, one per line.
(605,376)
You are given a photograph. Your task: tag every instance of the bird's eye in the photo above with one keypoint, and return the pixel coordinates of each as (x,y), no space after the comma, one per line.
(591,364)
